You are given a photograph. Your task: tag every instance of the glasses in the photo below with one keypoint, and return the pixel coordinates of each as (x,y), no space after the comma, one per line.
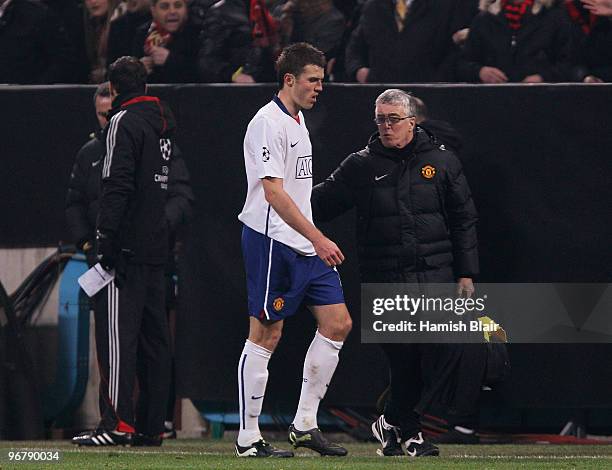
(391,120)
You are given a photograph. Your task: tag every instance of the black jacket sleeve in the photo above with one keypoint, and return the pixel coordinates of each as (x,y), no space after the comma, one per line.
(336,194)
(462,218)
(561,51)
(118,173)
(59,52)
(180,195)
(77,204)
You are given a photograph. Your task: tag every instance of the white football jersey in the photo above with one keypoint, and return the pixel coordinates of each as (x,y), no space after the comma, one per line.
(277,145)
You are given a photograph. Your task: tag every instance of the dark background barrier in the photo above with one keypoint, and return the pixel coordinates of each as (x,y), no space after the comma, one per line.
(537,159)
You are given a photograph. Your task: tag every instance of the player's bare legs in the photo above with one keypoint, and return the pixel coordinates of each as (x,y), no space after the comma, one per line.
(265,334)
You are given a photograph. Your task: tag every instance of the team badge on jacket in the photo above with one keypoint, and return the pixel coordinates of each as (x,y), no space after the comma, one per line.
(428,172)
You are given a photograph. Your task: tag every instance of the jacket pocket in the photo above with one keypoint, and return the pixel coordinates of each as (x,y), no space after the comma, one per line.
(439,260)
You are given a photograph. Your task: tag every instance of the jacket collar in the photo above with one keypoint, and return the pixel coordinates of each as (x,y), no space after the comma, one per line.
(422,141)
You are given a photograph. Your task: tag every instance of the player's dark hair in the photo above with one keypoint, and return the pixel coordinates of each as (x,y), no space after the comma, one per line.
(295,57)
(128,75)
(103,91)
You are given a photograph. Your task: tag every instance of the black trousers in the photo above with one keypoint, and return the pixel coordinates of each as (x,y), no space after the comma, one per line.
(132,342)
(406,386)
(446,377)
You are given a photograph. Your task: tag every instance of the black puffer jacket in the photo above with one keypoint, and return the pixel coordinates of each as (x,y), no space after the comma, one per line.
(415,212)
(84,191)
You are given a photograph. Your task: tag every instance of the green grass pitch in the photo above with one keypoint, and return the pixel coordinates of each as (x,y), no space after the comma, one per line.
(219,455)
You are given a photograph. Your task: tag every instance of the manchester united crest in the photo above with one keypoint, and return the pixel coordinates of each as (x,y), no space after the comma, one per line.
(428,172)
(278,304)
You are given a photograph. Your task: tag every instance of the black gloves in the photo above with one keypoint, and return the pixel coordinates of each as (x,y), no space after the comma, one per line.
(106,251)
(88,249)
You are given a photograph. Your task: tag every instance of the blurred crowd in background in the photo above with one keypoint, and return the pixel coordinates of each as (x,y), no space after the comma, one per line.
(376,41)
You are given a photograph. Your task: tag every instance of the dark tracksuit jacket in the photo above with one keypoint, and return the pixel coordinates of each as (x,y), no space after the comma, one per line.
(85,188)
(132,334)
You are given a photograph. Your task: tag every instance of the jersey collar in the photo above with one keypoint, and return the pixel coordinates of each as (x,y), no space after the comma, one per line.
(284,109)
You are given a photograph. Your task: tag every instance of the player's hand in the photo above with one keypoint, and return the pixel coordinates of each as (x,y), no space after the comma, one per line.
(159,55)
(465,286)
(362,74)
(328,251)
(492,75)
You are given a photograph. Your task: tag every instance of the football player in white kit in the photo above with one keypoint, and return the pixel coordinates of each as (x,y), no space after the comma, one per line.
(288,261)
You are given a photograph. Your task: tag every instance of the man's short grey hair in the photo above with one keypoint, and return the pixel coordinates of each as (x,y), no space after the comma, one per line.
(102,91)
(395,96)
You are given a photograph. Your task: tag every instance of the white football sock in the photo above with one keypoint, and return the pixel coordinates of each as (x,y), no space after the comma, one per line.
(252,380)
(319,366)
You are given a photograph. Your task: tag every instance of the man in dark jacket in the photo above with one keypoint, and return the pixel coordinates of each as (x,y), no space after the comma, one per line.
(132,241)
(526,41)
(405,41)
(85,186)
(34,46)
(416,223)
(235,49)
(82,203)
(123,29)
(592,26)
(168,44)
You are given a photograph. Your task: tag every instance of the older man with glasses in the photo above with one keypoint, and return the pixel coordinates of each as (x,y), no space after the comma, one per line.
(416,223)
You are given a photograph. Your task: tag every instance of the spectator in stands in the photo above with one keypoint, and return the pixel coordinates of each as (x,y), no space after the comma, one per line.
(517,41)
(97,15)
(168,44)
(123,29)
(317,22)
(70,13)
(34,46)
(400,41)
(592,21)
(240,42)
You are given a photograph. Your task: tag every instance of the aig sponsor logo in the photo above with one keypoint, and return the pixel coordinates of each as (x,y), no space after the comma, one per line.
(303,168)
